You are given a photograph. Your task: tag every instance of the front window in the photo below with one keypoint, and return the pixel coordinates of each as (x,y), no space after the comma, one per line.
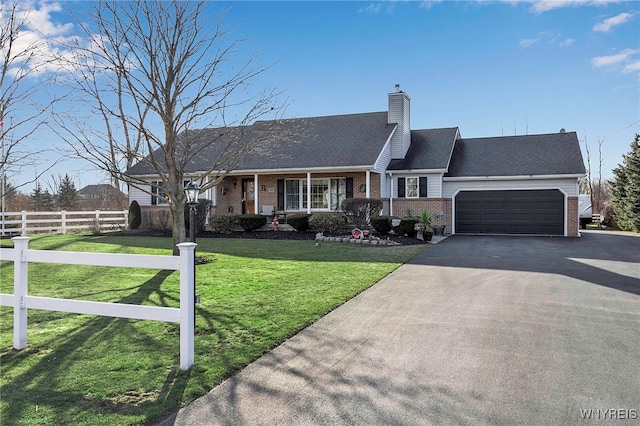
(158,193)
(412,187)
(326,194)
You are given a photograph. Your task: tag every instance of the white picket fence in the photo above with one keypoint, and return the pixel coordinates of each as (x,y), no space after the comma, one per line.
(24,222)
(21,255)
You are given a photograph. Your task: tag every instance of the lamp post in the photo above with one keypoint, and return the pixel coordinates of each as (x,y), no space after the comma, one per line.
(192,191)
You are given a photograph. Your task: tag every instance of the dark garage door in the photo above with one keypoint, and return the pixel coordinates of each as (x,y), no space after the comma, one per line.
(510,212)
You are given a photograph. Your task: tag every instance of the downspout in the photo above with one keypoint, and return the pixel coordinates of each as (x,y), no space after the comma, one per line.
(390,194)
(308,192)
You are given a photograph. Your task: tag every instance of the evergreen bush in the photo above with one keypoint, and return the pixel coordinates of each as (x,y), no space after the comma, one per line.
(332,223)
(251,222)
(135,215)
(382,224)
(407,226)
(299,222)
(222,223)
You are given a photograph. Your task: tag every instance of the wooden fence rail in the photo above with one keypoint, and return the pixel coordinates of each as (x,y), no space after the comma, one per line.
(24,222)
(21,256)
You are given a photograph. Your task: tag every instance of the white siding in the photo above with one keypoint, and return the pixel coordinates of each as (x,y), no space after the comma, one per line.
(381,164)
(567,185)
(399,112)
(434,186)
(143,198)
(384,185)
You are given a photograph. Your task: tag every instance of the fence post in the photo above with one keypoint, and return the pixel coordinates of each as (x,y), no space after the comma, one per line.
(187,304)
(97,223)
(64,221)
(20,247)
(24,223)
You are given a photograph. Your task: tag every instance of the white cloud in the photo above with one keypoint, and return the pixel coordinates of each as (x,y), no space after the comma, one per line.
(541,6)
(606,25)
(371,8)
(567,42)
(428,4)
(549,38)
(632,67)
(528,42)
(39,35)
(618,60)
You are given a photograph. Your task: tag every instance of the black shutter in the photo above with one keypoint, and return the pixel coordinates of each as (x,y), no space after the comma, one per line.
(349,185)
(280,194)
(401,188)
(154,192)
(422,186)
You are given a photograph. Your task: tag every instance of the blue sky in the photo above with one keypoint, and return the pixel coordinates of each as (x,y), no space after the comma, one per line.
(491,68)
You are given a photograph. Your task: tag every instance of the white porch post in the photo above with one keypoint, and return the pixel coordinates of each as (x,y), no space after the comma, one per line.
(308,193)
(368,184)
(255,194)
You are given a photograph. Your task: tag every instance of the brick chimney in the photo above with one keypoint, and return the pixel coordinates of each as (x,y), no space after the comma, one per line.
(399,112)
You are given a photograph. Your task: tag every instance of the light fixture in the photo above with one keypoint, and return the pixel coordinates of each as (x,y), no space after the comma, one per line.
(192,191)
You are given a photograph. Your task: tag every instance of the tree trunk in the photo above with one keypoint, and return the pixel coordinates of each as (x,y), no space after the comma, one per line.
(178,229)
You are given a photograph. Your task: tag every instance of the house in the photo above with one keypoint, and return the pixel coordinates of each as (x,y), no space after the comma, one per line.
(497,185)
(102,196)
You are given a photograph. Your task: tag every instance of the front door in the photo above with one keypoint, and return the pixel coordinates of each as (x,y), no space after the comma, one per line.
(248,196)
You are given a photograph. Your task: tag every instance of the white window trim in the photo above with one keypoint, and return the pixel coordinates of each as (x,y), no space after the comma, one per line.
(417,186)
(303,187)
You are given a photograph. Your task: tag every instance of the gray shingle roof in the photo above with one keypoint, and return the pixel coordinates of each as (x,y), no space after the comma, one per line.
(430,149)
(300,143)
(548,154)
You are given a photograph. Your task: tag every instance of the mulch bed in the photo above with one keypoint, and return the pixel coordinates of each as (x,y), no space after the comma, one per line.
(262,235)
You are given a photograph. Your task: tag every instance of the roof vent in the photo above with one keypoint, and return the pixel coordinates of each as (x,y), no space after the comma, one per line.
(397,88)
(563,130)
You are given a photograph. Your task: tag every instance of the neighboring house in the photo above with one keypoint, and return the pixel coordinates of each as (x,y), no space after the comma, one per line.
(498,185)
(102,196)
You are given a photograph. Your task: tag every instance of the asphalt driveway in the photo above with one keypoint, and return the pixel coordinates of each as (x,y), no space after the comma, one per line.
(474,330)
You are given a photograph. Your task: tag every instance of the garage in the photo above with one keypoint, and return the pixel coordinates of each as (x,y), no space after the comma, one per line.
(529,212)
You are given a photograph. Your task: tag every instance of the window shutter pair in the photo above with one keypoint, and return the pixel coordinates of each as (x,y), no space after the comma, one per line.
(422,187)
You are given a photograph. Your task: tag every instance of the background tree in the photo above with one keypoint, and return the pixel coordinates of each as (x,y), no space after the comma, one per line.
(152,71)
(625,188)
(41,200)
(67,194)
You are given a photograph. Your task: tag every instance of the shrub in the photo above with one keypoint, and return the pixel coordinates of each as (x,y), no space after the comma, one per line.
(135,215)
(407,226)
(382,224)
(299,222)
(251,222)
(222,223)
(328,222)
(202,209)
(361,210)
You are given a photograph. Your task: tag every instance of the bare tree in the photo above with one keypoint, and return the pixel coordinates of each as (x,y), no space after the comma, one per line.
(598,188)
(23,62)
(150,72)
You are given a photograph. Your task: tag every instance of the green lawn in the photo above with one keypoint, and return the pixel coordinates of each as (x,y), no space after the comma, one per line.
(87,370)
